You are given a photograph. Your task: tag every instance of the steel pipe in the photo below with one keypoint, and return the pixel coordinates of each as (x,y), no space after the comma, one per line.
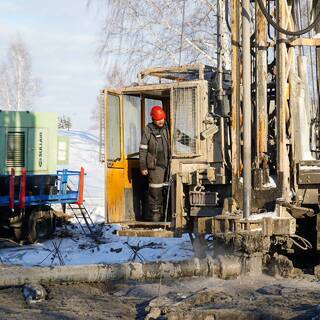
(246,81)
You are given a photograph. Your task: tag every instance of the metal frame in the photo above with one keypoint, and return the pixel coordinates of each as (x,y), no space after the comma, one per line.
(63,196)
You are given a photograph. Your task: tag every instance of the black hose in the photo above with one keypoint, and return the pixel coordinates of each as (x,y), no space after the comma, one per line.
(227,15)
(284,31)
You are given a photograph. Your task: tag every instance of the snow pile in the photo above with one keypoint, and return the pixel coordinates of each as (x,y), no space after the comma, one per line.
(258,216)
(272,183)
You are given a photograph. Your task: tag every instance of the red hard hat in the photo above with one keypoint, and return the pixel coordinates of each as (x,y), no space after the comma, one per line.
(157,113)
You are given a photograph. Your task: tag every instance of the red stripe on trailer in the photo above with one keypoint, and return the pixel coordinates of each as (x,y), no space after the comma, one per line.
(81,186)
(23,188)
(11,189)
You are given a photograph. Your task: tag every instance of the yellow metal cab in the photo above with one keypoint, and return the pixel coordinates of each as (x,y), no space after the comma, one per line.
(186,95)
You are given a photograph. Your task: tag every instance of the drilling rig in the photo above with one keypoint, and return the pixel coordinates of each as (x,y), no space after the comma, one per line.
(244,134)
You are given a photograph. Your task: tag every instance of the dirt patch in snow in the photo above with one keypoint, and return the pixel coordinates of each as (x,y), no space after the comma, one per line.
(76,301)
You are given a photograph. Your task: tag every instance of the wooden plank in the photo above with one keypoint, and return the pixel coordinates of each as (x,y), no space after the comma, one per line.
(146,233)
(175,69)
(163,86)
(305,42)
(112,90)
(149,224)
(147,87)
(229,217)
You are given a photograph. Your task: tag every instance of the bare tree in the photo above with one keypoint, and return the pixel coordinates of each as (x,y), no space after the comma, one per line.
(117,77)
(64,122)
(18,87)
(143,33)
(95,115)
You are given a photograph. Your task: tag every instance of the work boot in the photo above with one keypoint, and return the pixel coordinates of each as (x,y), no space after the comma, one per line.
(156,215)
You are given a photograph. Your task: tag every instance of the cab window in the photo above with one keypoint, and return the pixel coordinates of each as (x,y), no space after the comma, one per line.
(149,103)
(132,125)
(113,133)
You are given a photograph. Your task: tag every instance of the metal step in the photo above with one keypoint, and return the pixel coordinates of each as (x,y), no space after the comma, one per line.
(85,216)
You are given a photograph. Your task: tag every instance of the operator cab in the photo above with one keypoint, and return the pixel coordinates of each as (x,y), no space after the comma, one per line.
(126,115)
(125,112)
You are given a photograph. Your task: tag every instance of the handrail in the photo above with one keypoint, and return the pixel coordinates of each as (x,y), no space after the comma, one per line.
(63,195)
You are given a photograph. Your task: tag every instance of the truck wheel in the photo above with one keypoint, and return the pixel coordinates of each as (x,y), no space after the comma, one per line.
(40,225)
(17,231)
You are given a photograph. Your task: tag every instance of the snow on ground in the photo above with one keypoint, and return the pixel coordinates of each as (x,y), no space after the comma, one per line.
(77,248)
(84,152)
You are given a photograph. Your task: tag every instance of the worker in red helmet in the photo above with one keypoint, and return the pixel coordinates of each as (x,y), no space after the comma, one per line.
(154,155)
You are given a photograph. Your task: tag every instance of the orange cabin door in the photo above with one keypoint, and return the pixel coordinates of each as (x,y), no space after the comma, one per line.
(126,188)
(115,164)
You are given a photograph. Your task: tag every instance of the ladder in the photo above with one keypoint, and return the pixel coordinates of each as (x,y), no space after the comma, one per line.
(82,215)
(102,127)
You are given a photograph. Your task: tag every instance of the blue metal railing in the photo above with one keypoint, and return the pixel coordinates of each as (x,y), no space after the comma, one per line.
(61,193)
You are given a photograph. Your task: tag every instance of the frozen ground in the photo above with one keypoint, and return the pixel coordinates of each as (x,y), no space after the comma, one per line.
(77,248)
(255,298)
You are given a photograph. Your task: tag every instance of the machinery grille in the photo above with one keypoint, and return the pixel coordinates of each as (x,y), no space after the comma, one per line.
(185,131)
(203,198)
(15,149)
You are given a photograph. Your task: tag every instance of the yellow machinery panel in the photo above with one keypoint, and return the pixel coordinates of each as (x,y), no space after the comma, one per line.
(115,194)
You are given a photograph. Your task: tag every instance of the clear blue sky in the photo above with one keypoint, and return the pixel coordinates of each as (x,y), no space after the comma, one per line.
(62,37)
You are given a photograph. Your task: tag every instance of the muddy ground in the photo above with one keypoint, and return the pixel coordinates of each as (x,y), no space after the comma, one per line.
(262,297)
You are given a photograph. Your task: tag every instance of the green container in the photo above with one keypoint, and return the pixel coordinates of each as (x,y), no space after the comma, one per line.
(28,140)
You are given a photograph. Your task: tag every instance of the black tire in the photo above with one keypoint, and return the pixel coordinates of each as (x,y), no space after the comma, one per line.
(40,225)
(17,231)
